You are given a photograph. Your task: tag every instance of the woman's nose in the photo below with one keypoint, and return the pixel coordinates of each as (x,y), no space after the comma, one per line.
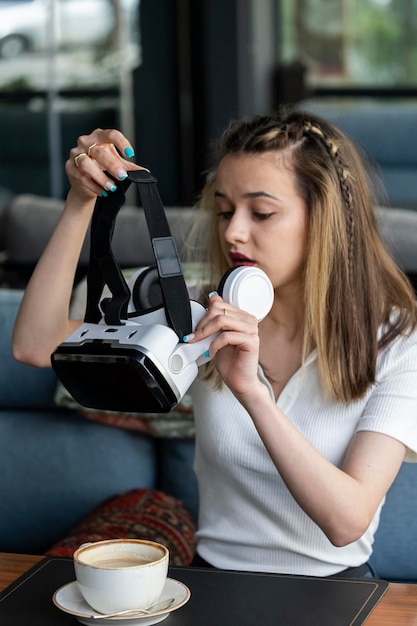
(237,229)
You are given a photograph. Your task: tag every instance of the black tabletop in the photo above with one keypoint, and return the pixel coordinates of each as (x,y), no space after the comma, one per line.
(218,598)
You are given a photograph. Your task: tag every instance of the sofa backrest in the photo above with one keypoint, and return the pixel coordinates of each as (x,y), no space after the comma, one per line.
(27,223)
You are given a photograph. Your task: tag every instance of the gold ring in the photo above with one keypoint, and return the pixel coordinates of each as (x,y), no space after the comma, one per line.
(88,151)
(224,311)
(79,157)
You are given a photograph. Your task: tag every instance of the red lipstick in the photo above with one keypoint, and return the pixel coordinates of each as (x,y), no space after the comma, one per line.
(240,259)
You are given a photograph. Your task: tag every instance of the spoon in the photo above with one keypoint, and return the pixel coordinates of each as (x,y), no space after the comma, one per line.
(159,606)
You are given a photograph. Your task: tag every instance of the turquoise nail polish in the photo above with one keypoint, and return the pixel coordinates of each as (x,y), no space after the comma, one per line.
(207,353)
(129,152)
(188,338)
(104,194)
(213,293)
(111,187)
(122,174)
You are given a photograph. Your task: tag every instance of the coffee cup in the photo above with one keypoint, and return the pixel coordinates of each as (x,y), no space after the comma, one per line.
(121,574)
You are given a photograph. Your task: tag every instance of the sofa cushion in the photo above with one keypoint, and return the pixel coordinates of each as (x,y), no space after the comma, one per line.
(138,514)
(21,386)
(55,467)
(28,221)
(395,548)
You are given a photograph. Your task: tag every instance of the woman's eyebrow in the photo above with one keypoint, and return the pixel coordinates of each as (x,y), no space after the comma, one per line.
(259,194)
(250,194)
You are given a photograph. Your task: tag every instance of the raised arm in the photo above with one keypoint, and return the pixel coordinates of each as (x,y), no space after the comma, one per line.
(43,318)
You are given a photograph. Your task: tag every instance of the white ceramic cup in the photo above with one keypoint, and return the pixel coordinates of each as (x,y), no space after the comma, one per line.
(120,574)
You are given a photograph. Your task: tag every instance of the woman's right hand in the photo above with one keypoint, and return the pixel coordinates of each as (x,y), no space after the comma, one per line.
(102,151)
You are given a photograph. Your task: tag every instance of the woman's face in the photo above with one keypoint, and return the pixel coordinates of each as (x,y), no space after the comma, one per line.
(262,220)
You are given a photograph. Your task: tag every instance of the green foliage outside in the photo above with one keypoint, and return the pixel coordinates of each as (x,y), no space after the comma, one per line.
(374,42)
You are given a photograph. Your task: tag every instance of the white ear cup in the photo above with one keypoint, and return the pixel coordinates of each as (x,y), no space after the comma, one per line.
(250,289)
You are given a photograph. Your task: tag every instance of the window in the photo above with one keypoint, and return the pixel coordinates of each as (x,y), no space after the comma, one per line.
(352,42)
(83,38)
(65,68)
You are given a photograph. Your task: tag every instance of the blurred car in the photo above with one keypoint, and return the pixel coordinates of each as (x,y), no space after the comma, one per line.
(25,24)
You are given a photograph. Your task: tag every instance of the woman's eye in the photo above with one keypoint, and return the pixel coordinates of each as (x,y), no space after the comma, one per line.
(226,215)
(262,216)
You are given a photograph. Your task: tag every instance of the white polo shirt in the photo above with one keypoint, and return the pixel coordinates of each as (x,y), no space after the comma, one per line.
(248,519)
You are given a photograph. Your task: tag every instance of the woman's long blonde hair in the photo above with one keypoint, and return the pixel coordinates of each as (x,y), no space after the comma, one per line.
(357,300)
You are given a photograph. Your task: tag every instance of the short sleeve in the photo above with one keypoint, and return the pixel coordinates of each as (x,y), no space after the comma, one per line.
(392,405)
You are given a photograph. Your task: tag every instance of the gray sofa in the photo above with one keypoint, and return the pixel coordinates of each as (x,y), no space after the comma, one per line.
(56,466)
(27,221)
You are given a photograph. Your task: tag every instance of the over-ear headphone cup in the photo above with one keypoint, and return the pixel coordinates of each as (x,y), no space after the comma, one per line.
(223,279)
(248,288)
(146,291)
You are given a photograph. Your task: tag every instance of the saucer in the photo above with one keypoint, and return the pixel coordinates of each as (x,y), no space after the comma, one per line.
(69,599)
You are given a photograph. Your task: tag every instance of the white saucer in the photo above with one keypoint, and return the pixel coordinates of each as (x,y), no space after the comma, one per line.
(69,599)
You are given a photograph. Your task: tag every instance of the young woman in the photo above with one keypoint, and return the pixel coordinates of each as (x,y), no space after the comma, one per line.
(303,420)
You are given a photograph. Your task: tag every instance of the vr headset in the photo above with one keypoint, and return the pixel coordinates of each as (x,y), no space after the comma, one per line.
(129,354)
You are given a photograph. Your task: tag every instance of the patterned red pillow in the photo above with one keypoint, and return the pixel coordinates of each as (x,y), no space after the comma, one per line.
(137,514)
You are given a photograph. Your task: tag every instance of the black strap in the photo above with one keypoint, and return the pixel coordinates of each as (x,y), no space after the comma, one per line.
(104,269)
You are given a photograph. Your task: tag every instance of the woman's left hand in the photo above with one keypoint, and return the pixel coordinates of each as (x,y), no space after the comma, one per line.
(102,152)
(236,347)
